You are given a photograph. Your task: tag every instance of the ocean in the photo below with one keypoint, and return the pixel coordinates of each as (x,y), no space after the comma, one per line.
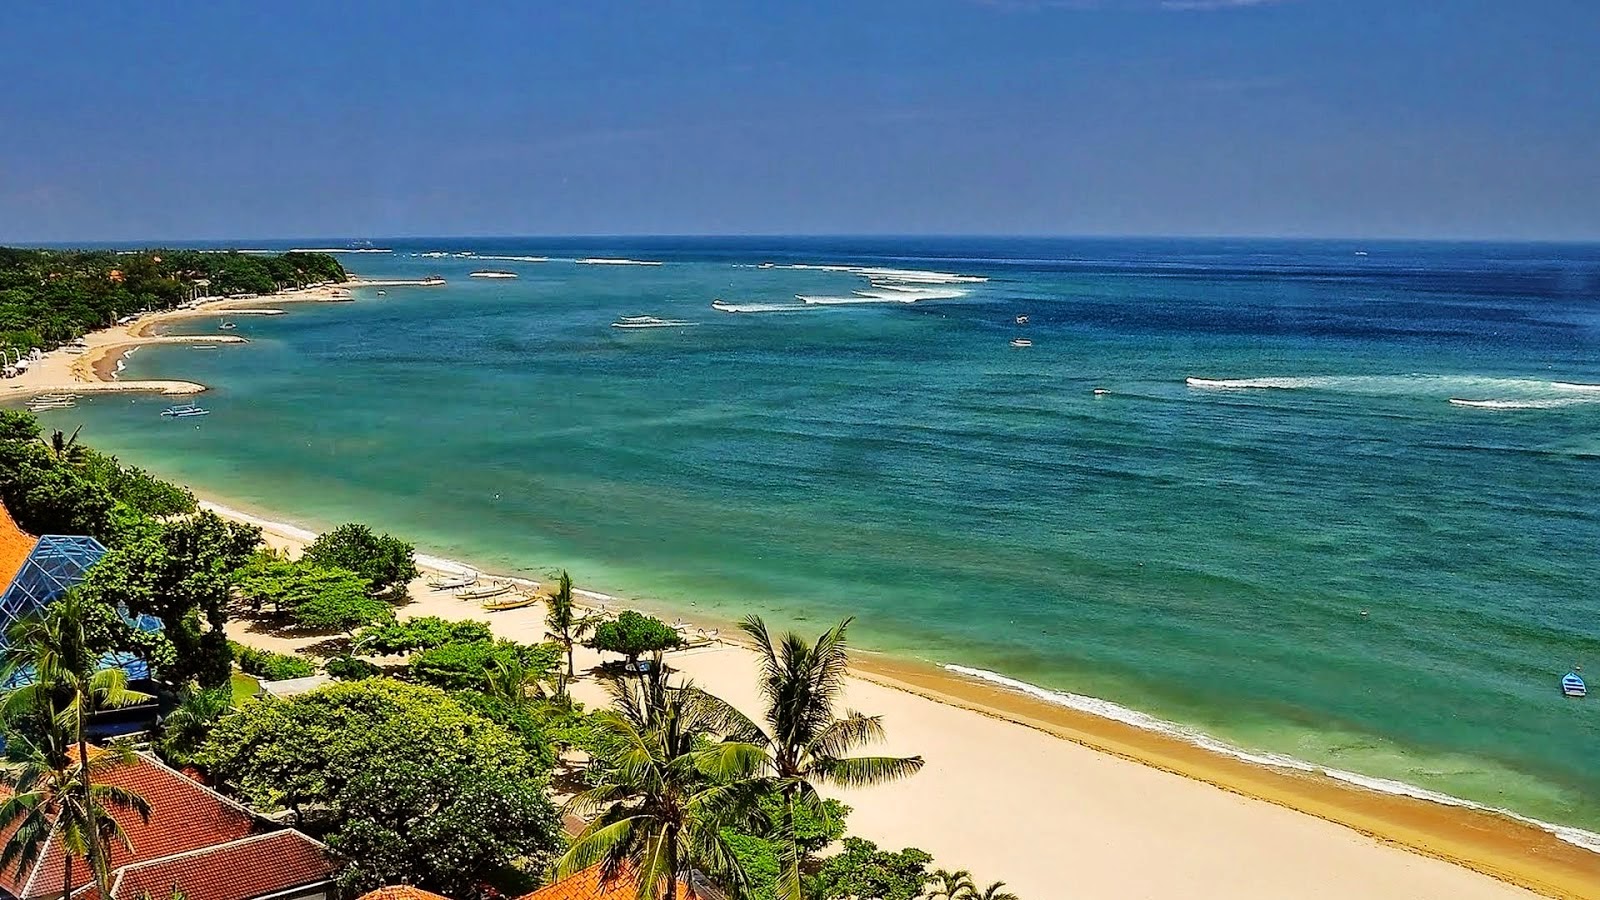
(1333,503)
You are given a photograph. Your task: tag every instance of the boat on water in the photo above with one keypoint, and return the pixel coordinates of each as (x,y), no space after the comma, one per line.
(227,326)
(484,592)
(185,411)
(1573,686)
(492,273)
(1021,342)
(1022,320)
(382,293)
(515,601)
(454,582)
(1101,392)
(52,401)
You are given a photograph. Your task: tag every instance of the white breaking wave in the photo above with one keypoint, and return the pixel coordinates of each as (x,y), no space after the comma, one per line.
(342,250)
(910,295)
(724,306)
(604,261)
(1105,709)
(847,301)
(530,259)
(1493,392)
(1547,403)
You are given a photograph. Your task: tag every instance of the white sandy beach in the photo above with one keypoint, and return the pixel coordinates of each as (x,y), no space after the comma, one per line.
(1051,817)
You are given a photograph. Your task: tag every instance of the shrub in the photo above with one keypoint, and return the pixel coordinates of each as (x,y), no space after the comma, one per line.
(269,665)
(350,668)
(422,633)
(461,666)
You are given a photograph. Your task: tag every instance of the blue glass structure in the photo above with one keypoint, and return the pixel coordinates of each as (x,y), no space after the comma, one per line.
(57,564)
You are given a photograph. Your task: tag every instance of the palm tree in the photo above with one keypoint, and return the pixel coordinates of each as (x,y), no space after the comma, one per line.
(566,626)
(55,794)
(55,661)
(187,726)
(67,449)
(804,742)
(948,885)
(669,791)
(510,679)
(994,891)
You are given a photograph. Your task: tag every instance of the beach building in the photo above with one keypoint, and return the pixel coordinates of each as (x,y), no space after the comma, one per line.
(37,571)
(590,884)
(196,842)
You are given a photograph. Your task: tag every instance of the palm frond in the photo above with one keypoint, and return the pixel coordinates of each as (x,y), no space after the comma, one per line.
(866,771)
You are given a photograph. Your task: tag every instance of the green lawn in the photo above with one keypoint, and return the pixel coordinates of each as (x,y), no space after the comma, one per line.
(244,686)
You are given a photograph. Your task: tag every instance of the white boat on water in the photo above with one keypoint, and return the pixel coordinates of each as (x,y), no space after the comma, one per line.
(184,411)
(489,273)
(1021,342)
(1022,320)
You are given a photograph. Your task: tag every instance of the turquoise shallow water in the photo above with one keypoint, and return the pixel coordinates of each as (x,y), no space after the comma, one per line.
(1201,553)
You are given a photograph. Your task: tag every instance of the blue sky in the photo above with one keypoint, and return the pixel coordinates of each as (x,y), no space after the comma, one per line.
(1433,118)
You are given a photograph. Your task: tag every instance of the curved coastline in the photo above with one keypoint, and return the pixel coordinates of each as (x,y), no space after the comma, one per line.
(1548,859)
(1515,850)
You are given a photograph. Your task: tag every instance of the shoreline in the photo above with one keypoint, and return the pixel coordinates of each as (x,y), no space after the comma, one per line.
(93,368)
(1513,851)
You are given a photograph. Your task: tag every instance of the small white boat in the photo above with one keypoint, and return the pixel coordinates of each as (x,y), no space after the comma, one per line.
(1022,320)
(1101,392)
(492,273)
(1573,686)
(454,582)
(1021,342)
(184,411)
(46,405)
(227,326)
(382,293)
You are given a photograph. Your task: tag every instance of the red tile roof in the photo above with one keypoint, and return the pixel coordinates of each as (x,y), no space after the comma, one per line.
(245,869)
(15,545)
(588,885)
(184,817)
(401,892)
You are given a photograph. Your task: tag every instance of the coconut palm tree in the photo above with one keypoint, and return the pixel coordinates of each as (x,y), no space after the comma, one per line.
(53,793)
(565,626)
(947,885)
(54,660)
(995,891)
(805,742)
(670,789)
(67,449)
(190,722)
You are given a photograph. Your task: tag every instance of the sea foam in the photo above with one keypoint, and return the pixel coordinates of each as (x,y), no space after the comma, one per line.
(1105,709)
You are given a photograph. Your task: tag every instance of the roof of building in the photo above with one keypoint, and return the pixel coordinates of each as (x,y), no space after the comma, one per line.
(15,545)
(402,892)
(256,866)
(184,817)
(590,885)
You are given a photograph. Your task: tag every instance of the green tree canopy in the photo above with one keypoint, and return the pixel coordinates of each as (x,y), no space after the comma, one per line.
(863,872)
(420,633)
(317,597)
(415,787)
(181,573)
(633,634)
(387,562)
(468,665)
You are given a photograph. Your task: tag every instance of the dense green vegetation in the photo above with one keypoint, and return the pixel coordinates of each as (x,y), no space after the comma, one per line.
(436,773)
(387,563)
(50,297)
(410,784)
